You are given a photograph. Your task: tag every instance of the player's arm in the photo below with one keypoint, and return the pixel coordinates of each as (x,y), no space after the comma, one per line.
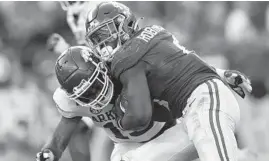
(139,112)
(54,148)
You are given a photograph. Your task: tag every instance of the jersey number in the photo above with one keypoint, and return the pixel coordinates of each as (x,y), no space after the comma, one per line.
(176,43)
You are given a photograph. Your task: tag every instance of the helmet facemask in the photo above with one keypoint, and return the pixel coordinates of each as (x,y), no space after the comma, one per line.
(96,92)
(108,37)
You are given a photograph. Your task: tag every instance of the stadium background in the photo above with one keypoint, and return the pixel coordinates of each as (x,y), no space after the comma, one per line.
(231,35)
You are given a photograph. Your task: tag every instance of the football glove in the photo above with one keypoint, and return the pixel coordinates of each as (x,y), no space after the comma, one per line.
(238,82)
(45,155)
(57,44)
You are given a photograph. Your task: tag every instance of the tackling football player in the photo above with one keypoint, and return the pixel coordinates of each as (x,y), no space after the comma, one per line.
(86,97)
(87,91)
(151,64)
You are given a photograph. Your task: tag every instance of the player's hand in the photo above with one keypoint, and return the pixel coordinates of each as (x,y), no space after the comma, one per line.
(238,82)
(45,155)
(56,43)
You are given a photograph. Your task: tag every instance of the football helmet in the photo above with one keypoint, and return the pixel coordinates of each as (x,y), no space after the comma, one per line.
(84,77)
(108,26)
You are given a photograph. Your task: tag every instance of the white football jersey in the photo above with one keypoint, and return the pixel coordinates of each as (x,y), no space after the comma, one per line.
(103,118)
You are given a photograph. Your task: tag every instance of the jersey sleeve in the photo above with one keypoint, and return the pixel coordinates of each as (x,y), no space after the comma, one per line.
(65,106)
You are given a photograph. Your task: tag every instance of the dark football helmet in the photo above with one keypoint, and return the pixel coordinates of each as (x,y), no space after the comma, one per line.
(84,77)
(108,26)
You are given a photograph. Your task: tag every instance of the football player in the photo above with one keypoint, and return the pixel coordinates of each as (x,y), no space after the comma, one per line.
(87,91)
(151,64)
(82,93)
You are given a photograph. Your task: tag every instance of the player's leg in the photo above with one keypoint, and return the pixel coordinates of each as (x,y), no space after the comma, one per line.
(211,115)
(172,145)
(78,146)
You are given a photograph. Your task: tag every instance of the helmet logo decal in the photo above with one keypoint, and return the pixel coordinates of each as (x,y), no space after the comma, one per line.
(86,55)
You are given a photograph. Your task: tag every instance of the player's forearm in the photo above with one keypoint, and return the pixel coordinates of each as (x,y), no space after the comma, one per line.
(57,144)
(138,112)
(61,137)
(139,109)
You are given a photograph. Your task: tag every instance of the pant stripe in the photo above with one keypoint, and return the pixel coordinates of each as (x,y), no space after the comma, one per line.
(211,111)
(218,121)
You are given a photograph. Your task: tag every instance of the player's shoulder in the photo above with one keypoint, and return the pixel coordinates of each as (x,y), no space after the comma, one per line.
(135,48)
(65,106)
(127,56)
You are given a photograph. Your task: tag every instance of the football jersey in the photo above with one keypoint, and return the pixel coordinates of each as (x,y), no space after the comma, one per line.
(172,71)
(106,119)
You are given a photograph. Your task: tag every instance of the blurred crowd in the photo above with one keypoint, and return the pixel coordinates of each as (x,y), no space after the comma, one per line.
(229,35)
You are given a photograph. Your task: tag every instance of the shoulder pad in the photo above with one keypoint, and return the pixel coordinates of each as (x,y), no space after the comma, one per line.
(65,106)
(127,57)
(134,49)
